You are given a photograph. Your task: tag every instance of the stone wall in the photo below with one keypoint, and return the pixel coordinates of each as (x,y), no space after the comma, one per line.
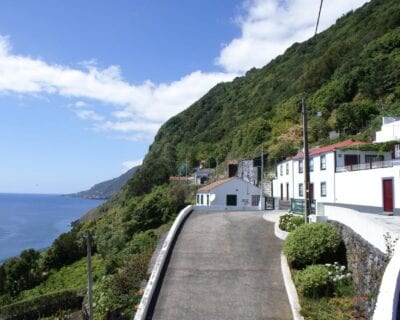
(248,172)
(367,264)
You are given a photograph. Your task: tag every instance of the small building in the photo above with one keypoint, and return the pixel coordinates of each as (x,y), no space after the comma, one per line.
(203,175)
(390,130)
(230,194)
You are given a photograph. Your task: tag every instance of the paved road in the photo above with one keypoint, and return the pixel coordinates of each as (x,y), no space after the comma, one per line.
(225,265)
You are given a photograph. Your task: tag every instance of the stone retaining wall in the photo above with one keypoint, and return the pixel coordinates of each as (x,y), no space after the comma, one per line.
(366,263)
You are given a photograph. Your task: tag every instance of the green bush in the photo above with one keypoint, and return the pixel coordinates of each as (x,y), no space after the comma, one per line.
(289,222)
(311,243)
(45,305)
(313,281)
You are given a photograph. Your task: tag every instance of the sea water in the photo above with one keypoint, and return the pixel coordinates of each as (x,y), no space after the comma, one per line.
(36,220)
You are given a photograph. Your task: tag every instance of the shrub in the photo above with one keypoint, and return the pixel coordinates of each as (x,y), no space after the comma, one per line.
(45,305)
(311,243)
(339,279)
(289,222)
(313,281)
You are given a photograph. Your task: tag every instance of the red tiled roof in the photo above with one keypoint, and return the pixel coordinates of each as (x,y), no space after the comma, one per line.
(332,147)
(215,184)
(177,178)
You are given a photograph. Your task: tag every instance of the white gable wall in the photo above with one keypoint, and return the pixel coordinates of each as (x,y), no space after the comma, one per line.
(243,190)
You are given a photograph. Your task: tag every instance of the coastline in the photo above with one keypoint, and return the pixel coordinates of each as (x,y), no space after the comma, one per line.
(36,220)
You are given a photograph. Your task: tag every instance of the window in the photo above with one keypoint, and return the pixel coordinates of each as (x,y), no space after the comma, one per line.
(397,151)
(198,199)
(301,166)
(301,190)
(255,199)
(231,200)
(311,164)
(323,162)
(287,168)
(323,189)
(281,169)
(369,158)
(208,199)
(351,159)
(201,201)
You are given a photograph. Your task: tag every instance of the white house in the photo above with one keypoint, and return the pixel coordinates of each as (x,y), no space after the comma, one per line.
(390,130)
(230,194)
(342,174)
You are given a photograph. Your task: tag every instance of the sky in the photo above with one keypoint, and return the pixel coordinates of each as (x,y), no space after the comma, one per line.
(85,85)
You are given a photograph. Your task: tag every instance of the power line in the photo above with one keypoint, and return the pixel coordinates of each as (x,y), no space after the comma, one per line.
(319,15)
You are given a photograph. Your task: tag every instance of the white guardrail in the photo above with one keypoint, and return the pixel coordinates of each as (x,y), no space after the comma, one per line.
(389,292)
(151,286)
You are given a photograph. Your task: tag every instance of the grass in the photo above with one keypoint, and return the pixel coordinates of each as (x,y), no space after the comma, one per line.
(73,276)
(327,308)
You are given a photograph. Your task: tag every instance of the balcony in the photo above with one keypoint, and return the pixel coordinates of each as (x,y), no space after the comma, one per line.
(366,166)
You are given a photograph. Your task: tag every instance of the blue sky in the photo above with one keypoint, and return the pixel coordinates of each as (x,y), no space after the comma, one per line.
(84,85)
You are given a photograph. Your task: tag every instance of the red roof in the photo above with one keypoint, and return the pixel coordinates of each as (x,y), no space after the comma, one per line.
(178,178)
(332,147)
(214,184)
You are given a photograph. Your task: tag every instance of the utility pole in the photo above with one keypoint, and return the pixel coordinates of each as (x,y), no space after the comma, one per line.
(186,169)
(262,177)
(307,200)
(89,239)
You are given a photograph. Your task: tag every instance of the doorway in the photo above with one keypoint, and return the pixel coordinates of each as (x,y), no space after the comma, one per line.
(387,195)
(287,191)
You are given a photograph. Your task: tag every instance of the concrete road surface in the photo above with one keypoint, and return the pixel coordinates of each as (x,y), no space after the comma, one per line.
(225,265)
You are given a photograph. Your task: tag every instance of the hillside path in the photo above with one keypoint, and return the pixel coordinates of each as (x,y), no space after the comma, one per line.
(225,265)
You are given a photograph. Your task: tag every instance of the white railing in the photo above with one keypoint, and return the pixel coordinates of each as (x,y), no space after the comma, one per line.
(151,286)
(366,166)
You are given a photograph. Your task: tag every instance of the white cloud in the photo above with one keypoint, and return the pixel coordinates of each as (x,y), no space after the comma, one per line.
(271,26)
(126,165)
(146,105)
(268,27)
(80,104)
(89,115)
(129,126)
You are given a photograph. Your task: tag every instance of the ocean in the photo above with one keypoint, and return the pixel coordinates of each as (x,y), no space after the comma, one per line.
(36,220)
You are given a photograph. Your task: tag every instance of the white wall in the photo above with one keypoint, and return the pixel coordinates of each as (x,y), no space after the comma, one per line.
(316,177)
(294,178)
(389,132)
(238,187)
(364,187)
(285,178)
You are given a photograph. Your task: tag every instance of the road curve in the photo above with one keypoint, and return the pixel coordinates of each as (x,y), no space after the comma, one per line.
(224,265)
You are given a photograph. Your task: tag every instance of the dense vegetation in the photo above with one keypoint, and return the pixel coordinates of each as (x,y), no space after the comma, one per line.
(349,73)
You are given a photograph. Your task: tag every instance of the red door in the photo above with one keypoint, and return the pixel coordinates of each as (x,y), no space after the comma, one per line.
(388,195)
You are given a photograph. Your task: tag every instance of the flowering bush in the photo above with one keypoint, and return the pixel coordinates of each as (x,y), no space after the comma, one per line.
(324,280)
(339,278)
(289,222)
